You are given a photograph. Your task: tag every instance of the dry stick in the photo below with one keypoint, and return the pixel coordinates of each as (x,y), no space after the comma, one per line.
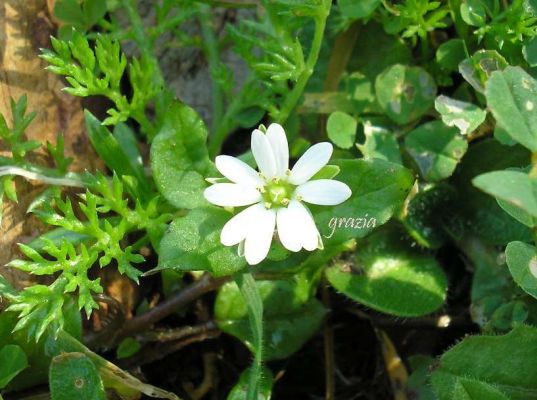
(193,291)
(329,361)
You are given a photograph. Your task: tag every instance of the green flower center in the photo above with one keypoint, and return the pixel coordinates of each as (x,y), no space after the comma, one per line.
(277,194)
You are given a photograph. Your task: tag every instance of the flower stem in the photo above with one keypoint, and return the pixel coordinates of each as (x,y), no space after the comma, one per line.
(292,99)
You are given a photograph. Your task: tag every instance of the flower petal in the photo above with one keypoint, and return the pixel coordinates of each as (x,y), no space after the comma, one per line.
(236,229)
(231,195)
(289,228)
(263,155)
(305,225)
(238,171)
(280,147)
(257,244)
(310,163)
(324,192)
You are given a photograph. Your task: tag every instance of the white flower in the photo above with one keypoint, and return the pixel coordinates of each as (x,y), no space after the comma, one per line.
(275,195)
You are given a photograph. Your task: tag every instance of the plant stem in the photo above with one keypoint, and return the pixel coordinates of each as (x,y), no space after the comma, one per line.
(292,99)
(213,58)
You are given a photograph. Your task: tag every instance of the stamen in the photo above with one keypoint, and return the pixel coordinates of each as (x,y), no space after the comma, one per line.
(285,201)
(268,205)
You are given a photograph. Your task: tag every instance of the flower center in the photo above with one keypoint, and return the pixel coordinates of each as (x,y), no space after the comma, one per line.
(277,194)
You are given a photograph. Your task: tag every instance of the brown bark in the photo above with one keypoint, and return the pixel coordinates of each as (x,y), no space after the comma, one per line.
(25,27)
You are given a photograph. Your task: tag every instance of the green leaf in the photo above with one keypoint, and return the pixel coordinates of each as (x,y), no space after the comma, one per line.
(515,188)
(74,376)
(489,367)
(436,149)
(116,155)
(405,93)
(12,361)
(479,214)
(522,262)
(239,391)
(479,67)
(357,9)
(425,213)
(290,317)
(380,143)
(530,52)
(128,347)
(379,189)
(391,277)
(192,243)
(326,172)
(179,157)
(418,384)
(94,10)
(473,12)
(341,129)
(512,98)
(449,54)
(465,116)
(69,11)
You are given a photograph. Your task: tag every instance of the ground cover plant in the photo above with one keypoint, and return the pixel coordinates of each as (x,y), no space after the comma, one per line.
(331,200)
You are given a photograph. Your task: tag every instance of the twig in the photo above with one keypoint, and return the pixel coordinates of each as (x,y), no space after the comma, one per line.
(169,306)
(175,334)
(161,350)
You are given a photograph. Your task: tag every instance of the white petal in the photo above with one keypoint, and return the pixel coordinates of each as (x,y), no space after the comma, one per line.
(324,192)
(263,154)
(305,225)
(288,224)
(231,195)
(259,237)
(280,147)
(236,229)
(238,171)
(310,163)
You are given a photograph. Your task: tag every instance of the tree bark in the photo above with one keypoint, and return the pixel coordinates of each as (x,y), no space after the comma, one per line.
(25,27)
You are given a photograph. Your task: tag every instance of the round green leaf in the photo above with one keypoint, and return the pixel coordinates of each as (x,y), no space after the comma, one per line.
(522,262)
(405,93)
(341,129)
(392,278)
(179,157)
(380,142)
(74,376)
(192,243)
(436,149)
(478,68)
(473,12)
